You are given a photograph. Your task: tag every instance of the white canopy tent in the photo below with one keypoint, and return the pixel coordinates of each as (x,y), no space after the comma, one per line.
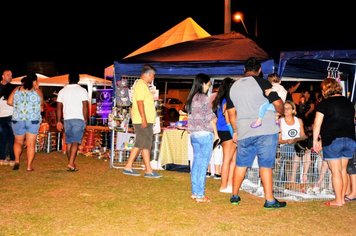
(62,80)
(85,79)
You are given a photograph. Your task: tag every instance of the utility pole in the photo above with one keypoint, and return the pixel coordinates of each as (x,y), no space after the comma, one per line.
(227,22)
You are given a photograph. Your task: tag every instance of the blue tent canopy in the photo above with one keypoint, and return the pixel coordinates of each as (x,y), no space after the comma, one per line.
(311,65)
(176,70)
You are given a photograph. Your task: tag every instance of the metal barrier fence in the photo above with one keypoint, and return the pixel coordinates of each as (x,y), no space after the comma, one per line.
(298,176)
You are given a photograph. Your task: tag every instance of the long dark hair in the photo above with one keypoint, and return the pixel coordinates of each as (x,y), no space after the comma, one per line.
(28,81)
(199,80)
(223,91)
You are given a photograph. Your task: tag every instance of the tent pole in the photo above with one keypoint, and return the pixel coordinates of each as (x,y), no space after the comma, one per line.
(353,89)
(165,92)
(90,93)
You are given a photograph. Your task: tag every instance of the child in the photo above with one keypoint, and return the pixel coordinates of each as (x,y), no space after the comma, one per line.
(275,80)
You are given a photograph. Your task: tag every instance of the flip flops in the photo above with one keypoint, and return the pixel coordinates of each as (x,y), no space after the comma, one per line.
(349,199)
(329,203)
(72,169)
(202,200)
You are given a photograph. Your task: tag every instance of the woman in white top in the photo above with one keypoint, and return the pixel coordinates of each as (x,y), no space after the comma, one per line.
(292,131)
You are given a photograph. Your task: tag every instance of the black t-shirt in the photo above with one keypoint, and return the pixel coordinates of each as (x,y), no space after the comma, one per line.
(338,119)
(6,90)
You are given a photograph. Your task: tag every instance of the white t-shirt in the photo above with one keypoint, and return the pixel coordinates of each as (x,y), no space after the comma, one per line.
(72,97)
(281,91)
(5,110)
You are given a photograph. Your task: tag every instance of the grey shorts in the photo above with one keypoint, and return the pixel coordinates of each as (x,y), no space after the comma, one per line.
(144,136)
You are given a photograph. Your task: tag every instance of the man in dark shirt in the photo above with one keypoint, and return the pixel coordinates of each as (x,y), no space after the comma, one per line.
(247,94)
(6,133)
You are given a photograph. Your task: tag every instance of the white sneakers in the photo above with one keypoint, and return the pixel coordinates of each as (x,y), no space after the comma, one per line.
(228,189)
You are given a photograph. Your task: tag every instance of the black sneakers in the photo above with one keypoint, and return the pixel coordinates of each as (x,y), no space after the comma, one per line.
(235,200)
(274,205)
(16,166)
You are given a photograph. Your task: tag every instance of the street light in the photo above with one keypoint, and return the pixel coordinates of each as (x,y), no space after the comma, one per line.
(239,17)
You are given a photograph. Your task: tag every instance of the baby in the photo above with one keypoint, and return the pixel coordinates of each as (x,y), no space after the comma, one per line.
(275,80)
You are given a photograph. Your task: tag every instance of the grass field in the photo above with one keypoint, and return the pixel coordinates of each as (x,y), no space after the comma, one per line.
(98,200)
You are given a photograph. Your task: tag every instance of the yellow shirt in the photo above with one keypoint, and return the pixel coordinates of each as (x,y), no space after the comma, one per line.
(141,92)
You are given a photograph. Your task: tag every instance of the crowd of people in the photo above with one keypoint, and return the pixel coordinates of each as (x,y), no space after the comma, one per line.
(21,109)
(251,116)
(248,116)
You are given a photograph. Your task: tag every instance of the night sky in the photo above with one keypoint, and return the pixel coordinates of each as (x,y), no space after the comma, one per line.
(91,37)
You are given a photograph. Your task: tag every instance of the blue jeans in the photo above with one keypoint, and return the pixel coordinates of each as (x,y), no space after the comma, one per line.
(6,138)
(202,143)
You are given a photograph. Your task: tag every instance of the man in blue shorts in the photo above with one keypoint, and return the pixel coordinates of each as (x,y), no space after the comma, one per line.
(73,100)
(247,94)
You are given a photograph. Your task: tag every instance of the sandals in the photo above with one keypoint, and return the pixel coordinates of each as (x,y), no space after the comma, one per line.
(71,169)
(332,204)
(202,200)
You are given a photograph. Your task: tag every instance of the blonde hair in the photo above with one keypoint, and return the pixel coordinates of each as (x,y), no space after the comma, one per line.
(274,78)
(330,87)
(294,107)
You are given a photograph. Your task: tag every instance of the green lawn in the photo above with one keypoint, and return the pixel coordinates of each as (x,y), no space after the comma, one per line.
(98,200)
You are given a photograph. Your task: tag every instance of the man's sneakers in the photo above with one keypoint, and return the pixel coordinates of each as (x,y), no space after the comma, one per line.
(153,175)
(131,172)
(274,204)
(235,200)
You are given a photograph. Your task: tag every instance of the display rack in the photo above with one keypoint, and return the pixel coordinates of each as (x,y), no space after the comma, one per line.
(122,137)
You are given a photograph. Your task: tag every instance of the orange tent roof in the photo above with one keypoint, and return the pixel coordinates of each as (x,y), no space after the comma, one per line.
(184,31)
(223,47)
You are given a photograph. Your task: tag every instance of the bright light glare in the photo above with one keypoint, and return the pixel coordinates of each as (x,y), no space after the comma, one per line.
(237,17)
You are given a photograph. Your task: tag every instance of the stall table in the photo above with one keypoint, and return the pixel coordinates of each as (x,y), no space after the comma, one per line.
(175,147)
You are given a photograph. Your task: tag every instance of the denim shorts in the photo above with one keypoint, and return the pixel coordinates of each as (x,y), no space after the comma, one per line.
(339,148)
(262,146)
(25,126)
(74,130)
